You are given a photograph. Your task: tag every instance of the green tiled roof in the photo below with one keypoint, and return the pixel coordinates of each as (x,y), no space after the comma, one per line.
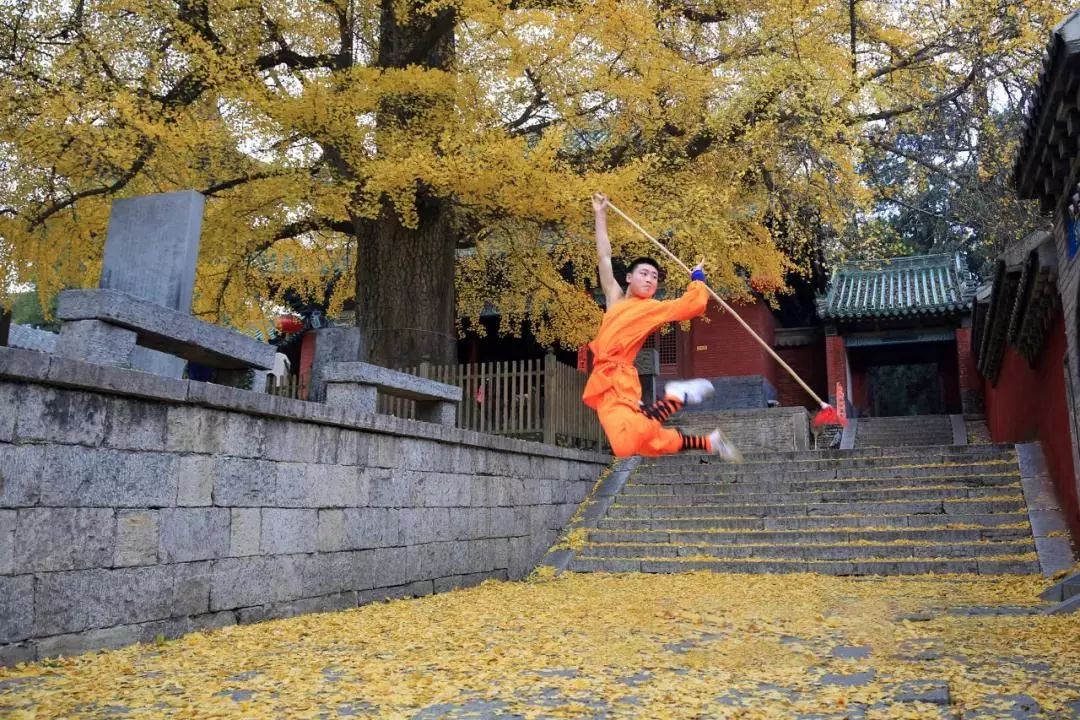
(926,285)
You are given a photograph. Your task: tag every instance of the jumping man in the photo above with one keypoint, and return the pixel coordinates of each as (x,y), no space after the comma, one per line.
(613,389)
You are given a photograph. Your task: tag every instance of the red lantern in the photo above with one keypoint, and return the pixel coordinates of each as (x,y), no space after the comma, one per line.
(288,324)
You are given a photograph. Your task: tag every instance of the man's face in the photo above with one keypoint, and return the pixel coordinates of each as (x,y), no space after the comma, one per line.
(642,281)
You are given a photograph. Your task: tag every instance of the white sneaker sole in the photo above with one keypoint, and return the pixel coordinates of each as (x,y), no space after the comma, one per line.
(689,392)
(722,446)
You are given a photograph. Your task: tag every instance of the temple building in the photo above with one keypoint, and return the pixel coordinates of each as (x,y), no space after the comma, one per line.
(1026,337)
(901,323)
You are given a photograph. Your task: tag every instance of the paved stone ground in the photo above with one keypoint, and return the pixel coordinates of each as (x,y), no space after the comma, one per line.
(695,645)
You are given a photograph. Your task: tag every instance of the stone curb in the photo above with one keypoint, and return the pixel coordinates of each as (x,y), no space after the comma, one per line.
(847,437)
(1057,592)
(959,430)
(44,369)
(595,508)
(1055,551)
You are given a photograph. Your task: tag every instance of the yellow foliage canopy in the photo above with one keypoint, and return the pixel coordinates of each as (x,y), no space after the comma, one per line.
(734,128)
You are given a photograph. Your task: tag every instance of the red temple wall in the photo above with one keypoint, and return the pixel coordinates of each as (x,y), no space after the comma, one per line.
(721,347)
(1029,404)
(808,362)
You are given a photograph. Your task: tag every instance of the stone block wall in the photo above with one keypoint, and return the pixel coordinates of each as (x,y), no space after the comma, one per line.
(739,392)
(134,506)
(775,429)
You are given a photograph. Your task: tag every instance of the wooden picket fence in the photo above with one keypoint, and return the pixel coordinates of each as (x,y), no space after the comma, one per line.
(530,399)
(291,386)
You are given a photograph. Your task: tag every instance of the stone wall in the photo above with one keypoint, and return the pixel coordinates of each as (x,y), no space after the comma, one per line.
(741,392)
(30,338)
(135,506)
(775,429)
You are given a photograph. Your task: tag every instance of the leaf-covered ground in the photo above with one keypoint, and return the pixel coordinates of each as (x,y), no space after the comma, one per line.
(696,645)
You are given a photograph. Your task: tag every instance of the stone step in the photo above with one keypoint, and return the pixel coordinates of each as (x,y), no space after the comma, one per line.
(921,425)
(699,487)
(870,463)
(883,522)
(810,552)
(893,443)
(901,441)
(931,437)
(944,434)
(938,452)
(867,509)
(804,537)
(982,566)
(780,496)
(732,473)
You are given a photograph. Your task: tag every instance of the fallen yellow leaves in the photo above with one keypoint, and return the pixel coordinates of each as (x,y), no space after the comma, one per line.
(650,646)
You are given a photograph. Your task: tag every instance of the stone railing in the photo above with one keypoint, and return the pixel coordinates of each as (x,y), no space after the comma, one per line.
(134,506)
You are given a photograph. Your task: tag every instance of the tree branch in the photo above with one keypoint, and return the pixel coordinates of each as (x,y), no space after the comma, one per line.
(285,55)
(939,100)
(196,15)
(538,101)
(124,179)
(216,188)
(443,23)
(913,208)
(294,60)
(889,147)
(702,17)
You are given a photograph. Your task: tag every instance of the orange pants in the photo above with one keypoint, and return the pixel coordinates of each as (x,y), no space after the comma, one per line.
(613,389)
(632,432)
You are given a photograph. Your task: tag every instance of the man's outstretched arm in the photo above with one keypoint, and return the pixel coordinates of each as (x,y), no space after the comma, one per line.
(693,302)
(612,291)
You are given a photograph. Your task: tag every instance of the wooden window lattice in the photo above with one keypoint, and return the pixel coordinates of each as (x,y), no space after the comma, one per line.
(666,344)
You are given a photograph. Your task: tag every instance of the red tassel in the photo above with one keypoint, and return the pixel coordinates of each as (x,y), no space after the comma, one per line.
(828,416)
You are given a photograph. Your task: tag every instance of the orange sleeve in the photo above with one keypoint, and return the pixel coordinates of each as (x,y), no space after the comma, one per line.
(690,305)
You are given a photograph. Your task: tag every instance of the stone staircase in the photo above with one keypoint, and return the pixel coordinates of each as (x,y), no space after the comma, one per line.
(868,511)
(909,431)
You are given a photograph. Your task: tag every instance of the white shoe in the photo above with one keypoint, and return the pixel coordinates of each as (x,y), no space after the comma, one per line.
(720,445)
(689,392)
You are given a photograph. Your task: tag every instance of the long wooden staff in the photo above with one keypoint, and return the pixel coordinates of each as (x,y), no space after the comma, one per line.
(827,415)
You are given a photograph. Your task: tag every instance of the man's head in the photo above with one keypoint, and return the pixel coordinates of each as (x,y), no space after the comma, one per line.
(642,277)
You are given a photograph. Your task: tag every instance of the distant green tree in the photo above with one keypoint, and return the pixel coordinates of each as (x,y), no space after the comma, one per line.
(26,310)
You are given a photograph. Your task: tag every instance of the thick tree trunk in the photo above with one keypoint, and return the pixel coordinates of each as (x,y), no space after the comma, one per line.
(405,289)
(405,277)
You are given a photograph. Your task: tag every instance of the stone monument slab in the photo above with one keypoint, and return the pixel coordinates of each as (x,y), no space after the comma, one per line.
(150,252)
(152,247)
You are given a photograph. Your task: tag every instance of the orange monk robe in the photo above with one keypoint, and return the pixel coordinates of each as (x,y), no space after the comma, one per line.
(613,389)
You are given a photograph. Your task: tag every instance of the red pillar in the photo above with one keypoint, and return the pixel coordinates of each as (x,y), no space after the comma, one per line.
(860,391)
(971,389)
(307,358)
(835,364)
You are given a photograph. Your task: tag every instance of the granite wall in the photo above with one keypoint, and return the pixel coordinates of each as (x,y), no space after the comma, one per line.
(134,506)
(777,429)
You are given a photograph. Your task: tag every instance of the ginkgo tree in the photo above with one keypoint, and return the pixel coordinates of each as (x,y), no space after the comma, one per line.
(434,157)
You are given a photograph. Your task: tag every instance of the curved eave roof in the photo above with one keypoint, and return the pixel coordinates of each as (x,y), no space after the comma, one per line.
(897,288)
(944,310)
(1033,163)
